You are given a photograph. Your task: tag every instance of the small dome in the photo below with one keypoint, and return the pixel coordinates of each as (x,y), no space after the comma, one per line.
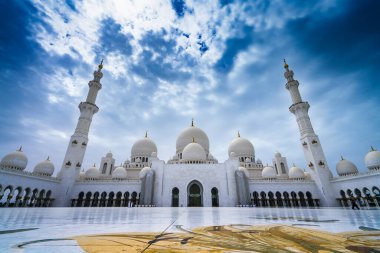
(119,173)
(244,170)
(372,159)
(144,171)
(232,155)
(143,147)
(241,147)
(193,152)
(15,160)
(268,172)
(138,160)
(277,154)
(247,160)
(187,135)
(127,162)
(45,167)
(307,175)
(345,167)
(258,161)
(296,173)
(92,173)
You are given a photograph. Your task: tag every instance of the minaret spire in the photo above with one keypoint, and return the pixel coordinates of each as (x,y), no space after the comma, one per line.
(76,149)
(310,143)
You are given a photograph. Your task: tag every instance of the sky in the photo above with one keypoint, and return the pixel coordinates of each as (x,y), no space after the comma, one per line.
(166,62)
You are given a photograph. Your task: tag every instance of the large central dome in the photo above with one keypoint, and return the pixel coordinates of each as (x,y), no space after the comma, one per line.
(188,135)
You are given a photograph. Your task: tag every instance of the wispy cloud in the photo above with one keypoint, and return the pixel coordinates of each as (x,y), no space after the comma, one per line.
(169,61)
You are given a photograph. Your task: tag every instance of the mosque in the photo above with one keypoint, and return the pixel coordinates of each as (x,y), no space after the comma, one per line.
(193,176)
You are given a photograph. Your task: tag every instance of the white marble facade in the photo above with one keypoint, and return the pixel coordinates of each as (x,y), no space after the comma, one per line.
(193,176)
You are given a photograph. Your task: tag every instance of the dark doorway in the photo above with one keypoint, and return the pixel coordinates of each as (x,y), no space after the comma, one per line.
(214,197)
(194,194)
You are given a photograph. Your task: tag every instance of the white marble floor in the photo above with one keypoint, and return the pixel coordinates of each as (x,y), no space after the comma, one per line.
(44,227)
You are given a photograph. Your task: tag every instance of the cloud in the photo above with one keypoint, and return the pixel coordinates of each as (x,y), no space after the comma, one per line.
(165,62)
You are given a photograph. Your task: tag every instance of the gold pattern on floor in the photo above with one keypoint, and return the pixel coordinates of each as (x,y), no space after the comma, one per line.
(235,238)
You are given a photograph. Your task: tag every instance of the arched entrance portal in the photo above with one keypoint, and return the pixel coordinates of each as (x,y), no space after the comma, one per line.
(194,194)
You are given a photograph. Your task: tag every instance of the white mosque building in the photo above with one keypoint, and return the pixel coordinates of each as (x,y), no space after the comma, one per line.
(193,176)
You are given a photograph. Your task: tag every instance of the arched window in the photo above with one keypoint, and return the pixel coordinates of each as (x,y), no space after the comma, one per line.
(310,198)
(283,170)
(214,197)
(111,168)
(175,197)
(95,199)
(87,201)
(110,199)
(275,166)
(104,168)
(279,199)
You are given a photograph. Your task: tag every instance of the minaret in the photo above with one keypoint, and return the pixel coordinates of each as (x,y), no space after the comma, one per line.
(78,142)
(311,145)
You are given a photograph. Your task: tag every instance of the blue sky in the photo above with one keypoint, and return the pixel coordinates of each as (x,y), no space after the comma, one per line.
(168,61)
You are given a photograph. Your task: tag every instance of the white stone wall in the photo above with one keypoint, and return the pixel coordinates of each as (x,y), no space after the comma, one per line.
(219,175)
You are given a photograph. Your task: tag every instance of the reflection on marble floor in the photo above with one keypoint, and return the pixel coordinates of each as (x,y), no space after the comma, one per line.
(189,229)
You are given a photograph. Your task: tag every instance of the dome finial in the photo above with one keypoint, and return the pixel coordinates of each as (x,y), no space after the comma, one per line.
(238,134)
(193,139)
(100,66)
(94,165)
(20,149)
(286,66)
(192,122)
(372,148)
(48,158)
(341,157)
(146,134)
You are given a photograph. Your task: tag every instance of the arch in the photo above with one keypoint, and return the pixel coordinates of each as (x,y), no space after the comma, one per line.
(302,201)
(87,200)
(126,199)
(47,199)
(103,198)
(40,198)
(309,198)
(95,199)
(175,197)
(283,170)
(7,195)
(368,197)
(119,195)
(33,197)
(263,199)
(80,199)
(349,193)
(215,197)
(287,199)
(26,198)
(376,192)
(279,199)
(275,166)
(111,169)
(134,199)
(255,196)
(294,199)
(110,199)
(271,199)
(194,194)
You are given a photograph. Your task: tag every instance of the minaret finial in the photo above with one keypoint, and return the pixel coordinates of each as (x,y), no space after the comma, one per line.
(372,148)
(146,134)
(238,135)
(101,65)
(286,66)
(192,122)
(19,149)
